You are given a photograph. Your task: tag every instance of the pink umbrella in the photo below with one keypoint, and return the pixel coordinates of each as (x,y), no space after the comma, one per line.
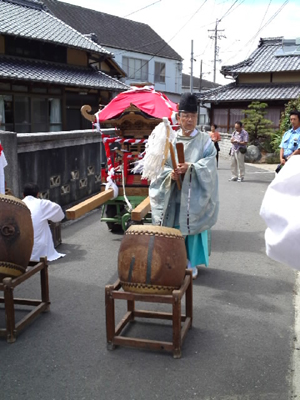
(151,102)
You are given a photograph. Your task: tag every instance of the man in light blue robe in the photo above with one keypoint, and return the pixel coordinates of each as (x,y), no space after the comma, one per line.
(194,208)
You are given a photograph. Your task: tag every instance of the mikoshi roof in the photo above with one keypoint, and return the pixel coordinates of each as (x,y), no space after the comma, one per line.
(148,100)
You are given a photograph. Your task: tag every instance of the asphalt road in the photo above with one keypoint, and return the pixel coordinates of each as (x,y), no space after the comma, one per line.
(239,348)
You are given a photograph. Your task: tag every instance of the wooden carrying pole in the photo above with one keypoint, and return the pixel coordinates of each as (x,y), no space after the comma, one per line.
(141,210)
(89,204)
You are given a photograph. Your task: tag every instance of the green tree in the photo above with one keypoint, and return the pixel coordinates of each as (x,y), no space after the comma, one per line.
(258,127)
(284,123)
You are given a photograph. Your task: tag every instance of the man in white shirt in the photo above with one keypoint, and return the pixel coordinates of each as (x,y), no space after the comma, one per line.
(42,211)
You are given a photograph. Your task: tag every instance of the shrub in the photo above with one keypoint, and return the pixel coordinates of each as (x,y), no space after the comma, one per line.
(258,127)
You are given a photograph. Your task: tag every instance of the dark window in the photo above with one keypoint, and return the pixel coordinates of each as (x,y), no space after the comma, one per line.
(6,113)
(35,49)
(160,72)
(22,114)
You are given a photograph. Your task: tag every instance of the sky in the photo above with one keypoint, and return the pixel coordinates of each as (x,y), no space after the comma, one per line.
(240,24)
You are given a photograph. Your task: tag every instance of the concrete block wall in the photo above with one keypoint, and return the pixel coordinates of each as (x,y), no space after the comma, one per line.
(225,145)
(65,165)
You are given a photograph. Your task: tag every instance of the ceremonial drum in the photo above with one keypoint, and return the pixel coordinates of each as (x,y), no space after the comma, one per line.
(152,259)
(16,237)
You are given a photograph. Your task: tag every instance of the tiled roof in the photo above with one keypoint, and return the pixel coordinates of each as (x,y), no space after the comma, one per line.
(112,31)
(196,82)
(28,19)
(266,59)
(40,71)
(252,92)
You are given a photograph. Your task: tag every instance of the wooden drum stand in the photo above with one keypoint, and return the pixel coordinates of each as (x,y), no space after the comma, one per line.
(114,337)
(8,285)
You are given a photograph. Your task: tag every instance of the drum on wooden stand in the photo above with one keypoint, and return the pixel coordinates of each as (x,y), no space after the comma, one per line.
(152,259)
(16,237)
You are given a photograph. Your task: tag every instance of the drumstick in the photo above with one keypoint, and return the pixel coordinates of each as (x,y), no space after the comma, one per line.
(174,163)
(180,154)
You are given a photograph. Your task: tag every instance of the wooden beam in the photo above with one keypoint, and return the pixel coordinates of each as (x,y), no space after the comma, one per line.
(132,191)
(89,204)
(141,210)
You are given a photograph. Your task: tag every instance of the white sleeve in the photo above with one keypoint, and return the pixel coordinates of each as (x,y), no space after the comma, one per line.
(3,162)
(51,211)
(280,211)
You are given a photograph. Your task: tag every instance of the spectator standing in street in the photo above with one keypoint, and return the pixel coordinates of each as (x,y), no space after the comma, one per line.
(42,211)
(290,143)
(215,137)
(239,140)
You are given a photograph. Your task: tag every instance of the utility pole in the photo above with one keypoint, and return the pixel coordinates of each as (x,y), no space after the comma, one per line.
(200,80)
(192,59)
(215,37)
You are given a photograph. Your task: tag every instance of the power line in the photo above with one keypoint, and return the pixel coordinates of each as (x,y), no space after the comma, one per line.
(140,47)
(134,12)
(265,14)
(204,26)
(266,24)
(187,21)
(269,20)
(228,10)
(231,9)
(216,36)
(161,40)
(193,15)
(260,24)
(199,55)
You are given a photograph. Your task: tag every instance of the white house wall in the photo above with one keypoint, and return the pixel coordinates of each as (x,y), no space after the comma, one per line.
(173,81)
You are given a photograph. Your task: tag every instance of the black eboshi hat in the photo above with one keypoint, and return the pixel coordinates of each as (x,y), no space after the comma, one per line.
(188,103)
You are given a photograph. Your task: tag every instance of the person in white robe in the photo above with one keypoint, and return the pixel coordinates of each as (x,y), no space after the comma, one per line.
(42,211)
(194,208)
(279,210)
(3,164)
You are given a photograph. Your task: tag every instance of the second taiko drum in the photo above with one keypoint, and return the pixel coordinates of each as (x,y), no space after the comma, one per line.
(16,237)
(152,259)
